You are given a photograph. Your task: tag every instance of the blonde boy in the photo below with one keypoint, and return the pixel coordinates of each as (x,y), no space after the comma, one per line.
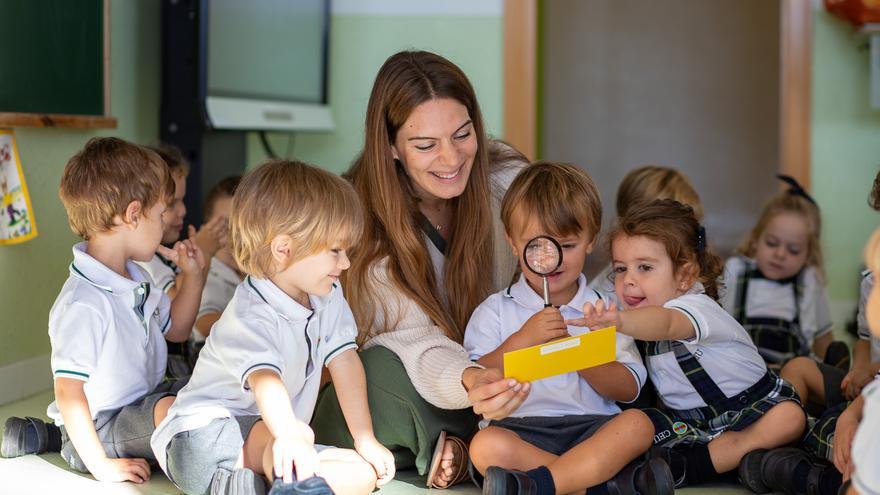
(243,417)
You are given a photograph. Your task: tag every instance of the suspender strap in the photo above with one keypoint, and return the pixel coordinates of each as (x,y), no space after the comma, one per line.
(694,372)
(428,228)
(742,290)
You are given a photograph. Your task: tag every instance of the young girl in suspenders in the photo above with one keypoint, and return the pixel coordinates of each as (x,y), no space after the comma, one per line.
(720,399)
(774,288)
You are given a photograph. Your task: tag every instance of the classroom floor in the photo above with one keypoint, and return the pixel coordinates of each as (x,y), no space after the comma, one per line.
(48,473)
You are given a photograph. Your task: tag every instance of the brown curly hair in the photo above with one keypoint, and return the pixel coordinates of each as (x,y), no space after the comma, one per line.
(673,225)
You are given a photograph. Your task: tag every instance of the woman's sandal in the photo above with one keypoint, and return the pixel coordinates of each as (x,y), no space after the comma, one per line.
(459,452)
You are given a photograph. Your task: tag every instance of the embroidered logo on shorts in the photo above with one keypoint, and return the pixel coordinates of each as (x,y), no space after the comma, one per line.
(679,428)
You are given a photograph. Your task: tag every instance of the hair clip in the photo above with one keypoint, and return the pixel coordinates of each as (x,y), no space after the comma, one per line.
(701,239)
(795,188)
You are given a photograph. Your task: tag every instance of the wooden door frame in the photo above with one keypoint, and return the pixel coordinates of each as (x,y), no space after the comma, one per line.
(795,82)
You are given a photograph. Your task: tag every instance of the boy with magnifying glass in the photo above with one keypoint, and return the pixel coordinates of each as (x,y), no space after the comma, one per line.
(569,435)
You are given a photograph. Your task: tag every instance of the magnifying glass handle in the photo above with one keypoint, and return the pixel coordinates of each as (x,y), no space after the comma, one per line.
(546,293)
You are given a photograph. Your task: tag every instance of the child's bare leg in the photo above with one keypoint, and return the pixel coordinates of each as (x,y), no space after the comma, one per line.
(598,458)
(781,425)
(494,446)
(804,375)
(160,410)
(346,472)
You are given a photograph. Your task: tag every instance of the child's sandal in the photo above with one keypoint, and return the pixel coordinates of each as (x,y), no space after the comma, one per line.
(459,453)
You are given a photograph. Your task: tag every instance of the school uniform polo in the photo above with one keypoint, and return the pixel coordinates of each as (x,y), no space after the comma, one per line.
(503,314)
(866,477)
(162,271)
(864,332)
(108,331)
(219,288)
(721,346)
(802,301)
(262,328)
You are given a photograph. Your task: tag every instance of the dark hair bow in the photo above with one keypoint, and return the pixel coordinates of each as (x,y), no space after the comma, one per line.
(794,187)
(701,239)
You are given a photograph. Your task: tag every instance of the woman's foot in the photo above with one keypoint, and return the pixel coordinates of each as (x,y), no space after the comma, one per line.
(449,463)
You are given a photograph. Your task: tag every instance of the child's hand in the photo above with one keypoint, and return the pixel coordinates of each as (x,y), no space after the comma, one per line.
(379,457)
(597,316)
(543,326)
(212,236)
(134,470)
(844,432)
(294,450)
(854,381)
(186,255)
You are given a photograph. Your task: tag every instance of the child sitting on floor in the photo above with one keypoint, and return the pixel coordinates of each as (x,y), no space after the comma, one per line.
(565,437)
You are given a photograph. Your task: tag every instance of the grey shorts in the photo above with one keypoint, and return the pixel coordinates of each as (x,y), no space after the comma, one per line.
(194,456)
(555,435)
(125,432)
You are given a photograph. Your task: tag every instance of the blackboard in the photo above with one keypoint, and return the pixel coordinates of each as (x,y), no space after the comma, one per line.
(52,56)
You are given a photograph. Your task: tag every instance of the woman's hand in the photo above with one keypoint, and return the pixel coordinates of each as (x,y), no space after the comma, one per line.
(492,395)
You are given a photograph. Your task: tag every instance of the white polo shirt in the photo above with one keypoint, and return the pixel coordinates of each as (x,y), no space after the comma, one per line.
(865,456)
(108,331)
(863,330)
(219,289)
(262,328)
(772,299)
(721,345)
(161,270)
(502,314)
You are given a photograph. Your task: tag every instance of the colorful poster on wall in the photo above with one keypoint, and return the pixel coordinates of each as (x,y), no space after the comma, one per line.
(16,213)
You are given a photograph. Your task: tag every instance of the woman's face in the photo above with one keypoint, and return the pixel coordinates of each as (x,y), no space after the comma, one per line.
(437,145)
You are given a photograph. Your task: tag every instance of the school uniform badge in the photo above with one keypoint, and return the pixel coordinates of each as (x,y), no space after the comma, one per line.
(679,428)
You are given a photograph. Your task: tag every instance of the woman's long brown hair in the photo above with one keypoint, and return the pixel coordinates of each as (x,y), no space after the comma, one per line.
(406,80)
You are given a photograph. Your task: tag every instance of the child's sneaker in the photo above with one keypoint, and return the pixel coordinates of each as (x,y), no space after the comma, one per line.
(22,436)
(315,485)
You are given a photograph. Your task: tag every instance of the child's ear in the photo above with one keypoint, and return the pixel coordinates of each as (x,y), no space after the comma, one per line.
(686,276)
(281,249)
(512,245)
(591,245)
(132,214)
(394,153)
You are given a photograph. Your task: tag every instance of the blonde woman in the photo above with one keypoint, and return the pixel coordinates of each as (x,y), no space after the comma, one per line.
(432,250)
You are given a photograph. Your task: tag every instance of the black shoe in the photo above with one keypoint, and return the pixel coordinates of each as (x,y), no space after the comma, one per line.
(674,459)
(650,477)
(764,470)
(837,355)
(22,436)
(315,485)
(500,481)
(750,471)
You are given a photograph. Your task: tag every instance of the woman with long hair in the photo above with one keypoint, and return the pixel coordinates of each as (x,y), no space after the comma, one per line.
(432,250)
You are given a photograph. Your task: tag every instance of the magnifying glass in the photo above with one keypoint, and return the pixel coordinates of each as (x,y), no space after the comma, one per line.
(543,255)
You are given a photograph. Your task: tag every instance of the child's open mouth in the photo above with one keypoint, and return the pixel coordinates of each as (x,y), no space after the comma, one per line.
(632,301)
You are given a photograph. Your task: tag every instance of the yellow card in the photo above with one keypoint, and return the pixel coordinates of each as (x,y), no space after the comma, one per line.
(561,356)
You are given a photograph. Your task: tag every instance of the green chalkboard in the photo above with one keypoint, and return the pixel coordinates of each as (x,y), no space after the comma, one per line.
(52,56)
